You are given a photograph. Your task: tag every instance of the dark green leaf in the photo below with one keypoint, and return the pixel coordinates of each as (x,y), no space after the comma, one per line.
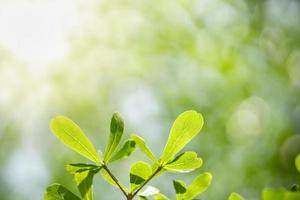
(139,173)
(84,174)
(59,192)
(180,188)
(125,151)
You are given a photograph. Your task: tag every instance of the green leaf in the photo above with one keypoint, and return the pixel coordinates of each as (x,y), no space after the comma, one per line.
(139,173)
(84,174)
(143,147)
(180,189)
(160,196)
(72,136)
(199,185)
(235,196)
(185,128)
(279,194)
(297,162)
(125,151)
(81,167)
(185,162)
(116,132)
(59,192)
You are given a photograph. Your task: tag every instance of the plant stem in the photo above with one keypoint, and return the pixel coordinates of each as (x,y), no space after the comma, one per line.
(116,181)
(159,168)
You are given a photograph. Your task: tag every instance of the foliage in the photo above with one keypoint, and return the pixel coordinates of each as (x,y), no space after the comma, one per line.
(185,128)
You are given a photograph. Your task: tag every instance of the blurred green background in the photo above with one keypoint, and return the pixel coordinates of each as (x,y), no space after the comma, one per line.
(235,61)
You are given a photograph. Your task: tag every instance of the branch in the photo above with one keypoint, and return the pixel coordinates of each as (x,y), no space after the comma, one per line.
(159,168)
(115,180)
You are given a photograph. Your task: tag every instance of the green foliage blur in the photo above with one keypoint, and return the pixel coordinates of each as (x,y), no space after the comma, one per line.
(235,61)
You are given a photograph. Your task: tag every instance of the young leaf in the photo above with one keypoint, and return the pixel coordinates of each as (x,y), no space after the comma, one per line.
(116,132)
(185,128)
(139,173)
(143,147)
(72,136)
(297,162)
(199,185)
(160,196)
(180,189)
(185,162)
(84,175)
(59,192)
(235,196)
(125,151)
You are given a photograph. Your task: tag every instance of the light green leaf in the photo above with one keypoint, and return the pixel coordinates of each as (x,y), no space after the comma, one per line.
(185,128)
(116,132)
(59,192)
(279,194)
(143,147)
(139,173)
(160,196)
(125,151)
(199,185)
(180,189)
(185,162)
(148,191)
(72,136)
(143,198)
(297,162)
(84,174)
(235,196)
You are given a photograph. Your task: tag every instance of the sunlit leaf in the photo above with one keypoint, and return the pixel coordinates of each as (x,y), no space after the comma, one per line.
(143,147)
(125,151)
(180,189)
(297,161)
(199,185)
(59,192)
(139,173)
(160,196)
(84,174)
(116,132)
(72,136)
(235,196)
(185,162)
(279,194)
(186,126)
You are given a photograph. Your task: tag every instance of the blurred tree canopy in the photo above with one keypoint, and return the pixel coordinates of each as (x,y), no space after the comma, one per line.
(236,62)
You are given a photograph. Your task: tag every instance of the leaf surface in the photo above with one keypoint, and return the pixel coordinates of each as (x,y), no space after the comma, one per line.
(297,162)
(59,192)
(199,185)
(70,134)
(235,196)
(116,132)
(143,147)
(139,173)
(84,175)
(180,189)
(125,151)
(186,126)
(185,162)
